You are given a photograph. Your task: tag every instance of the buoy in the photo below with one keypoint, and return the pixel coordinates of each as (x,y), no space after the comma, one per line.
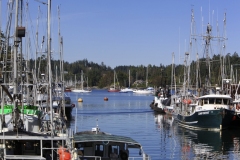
(105,99)
(80,100)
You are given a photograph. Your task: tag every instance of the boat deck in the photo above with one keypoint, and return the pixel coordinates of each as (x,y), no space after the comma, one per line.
(12,135)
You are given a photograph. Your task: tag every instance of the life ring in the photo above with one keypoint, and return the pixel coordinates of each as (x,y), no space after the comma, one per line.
(64,154)
(105,142)
(124,156)
(187,101)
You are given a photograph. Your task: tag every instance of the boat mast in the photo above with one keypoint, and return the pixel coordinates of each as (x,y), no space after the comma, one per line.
(147,78)
(15,78)
(49,64)
(129,79)
(75,81)
(173,81)
(114,79)
(37,43)
(82,79)
(16,40)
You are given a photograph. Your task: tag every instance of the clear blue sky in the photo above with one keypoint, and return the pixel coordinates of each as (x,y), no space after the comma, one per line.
(136,32)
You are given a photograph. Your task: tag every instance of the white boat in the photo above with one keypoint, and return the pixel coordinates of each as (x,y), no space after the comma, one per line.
(148,90)
(114,88)
(81,90)
(126,90)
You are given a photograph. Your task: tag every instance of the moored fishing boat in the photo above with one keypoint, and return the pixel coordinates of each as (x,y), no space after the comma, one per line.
(27,130)
(210,112)
(212,109)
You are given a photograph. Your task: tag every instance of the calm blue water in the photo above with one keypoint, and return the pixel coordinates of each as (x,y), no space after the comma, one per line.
(129,114)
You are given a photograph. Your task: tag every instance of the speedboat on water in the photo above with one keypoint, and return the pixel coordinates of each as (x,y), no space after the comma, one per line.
(95,144)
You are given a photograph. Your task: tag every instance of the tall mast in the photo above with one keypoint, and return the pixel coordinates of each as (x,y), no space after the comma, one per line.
(129,79)
(173,74)
(49,63)
(114,79)
(224,48)
(82,79)
(147,77)
(16,40)
(37,43)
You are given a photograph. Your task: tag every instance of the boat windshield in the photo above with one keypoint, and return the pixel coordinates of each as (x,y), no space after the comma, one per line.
(215,101)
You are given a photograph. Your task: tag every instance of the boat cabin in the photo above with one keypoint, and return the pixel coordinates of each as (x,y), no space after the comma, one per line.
(100,145)
(215,100)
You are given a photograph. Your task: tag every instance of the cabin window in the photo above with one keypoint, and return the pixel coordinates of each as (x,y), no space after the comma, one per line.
(218,101)
(205,101)
(114,151)
(99,150)
(211,100)
(225,101)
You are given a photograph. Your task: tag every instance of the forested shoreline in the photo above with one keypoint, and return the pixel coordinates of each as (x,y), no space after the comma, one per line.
(101,75)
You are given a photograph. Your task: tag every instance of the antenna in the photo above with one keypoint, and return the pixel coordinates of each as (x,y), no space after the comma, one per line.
(97,123)
(209,12)
(179,47)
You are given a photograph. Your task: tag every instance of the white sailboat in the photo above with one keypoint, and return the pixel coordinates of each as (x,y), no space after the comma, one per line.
(125,90)
(147,90)
(114,88)
(80,90)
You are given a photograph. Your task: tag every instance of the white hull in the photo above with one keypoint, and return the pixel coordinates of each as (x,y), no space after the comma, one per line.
(126,90)
(143,91)
(81,91)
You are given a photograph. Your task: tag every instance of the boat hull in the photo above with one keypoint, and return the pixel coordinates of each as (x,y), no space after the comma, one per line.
(115,90)
(155,108)
(207,120)
(81,91)
(143,92)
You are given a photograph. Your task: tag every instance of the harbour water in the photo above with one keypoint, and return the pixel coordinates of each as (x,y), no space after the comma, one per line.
(129,114)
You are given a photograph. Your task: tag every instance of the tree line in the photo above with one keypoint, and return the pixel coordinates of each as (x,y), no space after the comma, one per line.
(101,75)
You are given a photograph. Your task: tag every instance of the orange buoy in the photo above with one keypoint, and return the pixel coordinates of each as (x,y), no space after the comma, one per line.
(80,100)
(105,99)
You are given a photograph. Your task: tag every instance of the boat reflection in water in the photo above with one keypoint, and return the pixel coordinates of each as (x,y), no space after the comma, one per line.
(163,120)
(182,143)
(209,144)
